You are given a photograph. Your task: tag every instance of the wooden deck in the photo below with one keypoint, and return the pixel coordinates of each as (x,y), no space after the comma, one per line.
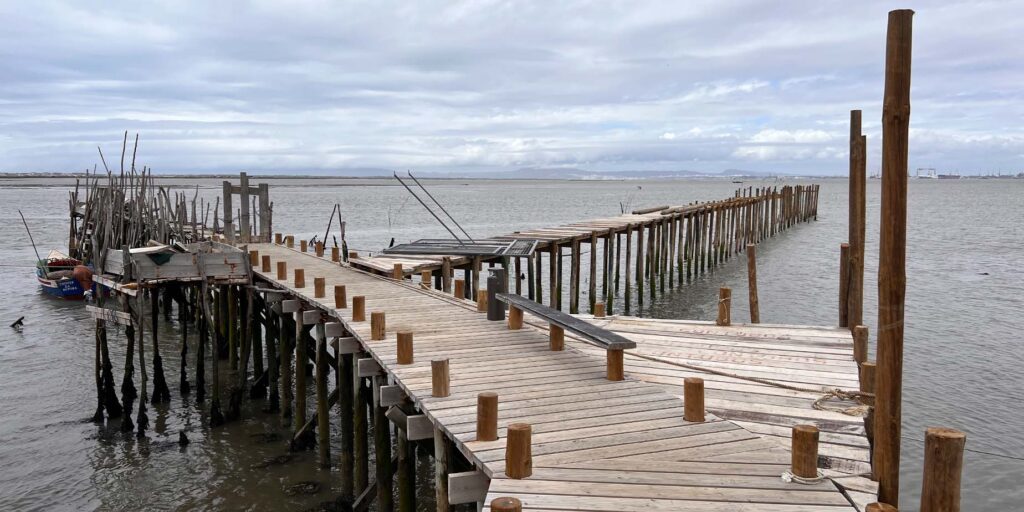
(597,444)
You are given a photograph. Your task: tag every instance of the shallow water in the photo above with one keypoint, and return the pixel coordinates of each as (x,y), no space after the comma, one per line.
(963,352)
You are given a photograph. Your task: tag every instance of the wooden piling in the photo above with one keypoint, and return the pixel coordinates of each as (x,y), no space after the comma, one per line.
(487,416)
(880,507)
(278,238)
(340,300)
(844,284)
(318,288)
(377,327)
(323,427)
(857,200)
(943,464)
(442,458)
(440,378)
(397,273)
(556,338)
(406,471)
(592,293)
(265,263)
(359,308)
(599,310)
(300,278)
(892,256)
(319,248)
(518,456)
(353,255)
(805,451)
(614,364)
(303,246)
(282,270)
(346,403)
(301,358)
(382,448)
(360,450)
(755,308)
(460,289)
(405,348)
(574,278)
(693,399)
(724,307)
(425,279)
(289,241)
(335,254)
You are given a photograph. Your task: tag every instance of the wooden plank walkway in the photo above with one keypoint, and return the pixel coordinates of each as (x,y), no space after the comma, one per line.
(597,444)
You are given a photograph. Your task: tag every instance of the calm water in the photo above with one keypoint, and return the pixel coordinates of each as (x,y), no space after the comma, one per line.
(962,362)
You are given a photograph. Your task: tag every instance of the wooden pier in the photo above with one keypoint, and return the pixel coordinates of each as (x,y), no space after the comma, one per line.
(596,444)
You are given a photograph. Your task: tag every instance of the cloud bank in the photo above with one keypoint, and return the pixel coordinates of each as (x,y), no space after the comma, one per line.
(322,86)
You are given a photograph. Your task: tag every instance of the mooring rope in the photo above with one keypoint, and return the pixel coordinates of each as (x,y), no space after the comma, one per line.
(788,477)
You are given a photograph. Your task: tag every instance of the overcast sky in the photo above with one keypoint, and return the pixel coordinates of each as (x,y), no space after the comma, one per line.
(322,86)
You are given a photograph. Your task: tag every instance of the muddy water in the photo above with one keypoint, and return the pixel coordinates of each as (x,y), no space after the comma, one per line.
(963,349)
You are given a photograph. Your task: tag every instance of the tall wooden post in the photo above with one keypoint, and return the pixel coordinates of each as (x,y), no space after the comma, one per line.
(858,186)
(892,256)
(323,425)
(844,284)
(755,308)
(382,447)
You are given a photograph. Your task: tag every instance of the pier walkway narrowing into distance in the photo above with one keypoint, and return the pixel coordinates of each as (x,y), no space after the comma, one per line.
(599,444)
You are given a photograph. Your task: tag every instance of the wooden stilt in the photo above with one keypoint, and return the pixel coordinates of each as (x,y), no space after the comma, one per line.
(323,426)
(442,459)
(382,448)
(755,307)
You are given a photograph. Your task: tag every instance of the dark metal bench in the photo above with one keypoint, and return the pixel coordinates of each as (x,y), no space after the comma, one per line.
(560,322)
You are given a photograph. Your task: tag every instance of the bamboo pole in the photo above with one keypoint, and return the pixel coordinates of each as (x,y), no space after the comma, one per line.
(892,256)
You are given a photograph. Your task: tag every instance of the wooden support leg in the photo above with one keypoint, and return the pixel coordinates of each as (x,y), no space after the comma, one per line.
(382,447)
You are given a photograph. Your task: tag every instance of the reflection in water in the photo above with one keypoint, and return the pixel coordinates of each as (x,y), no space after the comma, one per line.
(965,292)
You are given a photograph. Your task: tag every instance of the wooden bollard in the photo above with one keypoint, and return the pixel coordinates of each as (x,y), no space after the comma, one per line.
(481,301)
(300,278)
(487,416)
(460,288)
(724,307)
(943,464)
(556,338)
(353,255)
(693,399)
(377,325)
(278,238)
(335,254)
(303,245)
(518,451)
(425,279)
(867,376)
(340,301)
(599,310)
(319,249)
(318,288)
(282,270)
(254,258)
(614,364)
(440,380)
(805,451)
(405,347)
(397,273)
(880,507)
(515,318)
(289,241)
(506,504)
(860,343)
(359,308)
(844,285)
(265,263)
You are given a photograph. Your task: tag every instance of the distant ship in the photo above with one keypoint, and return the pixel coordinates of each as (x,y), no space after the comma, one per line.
(949,176)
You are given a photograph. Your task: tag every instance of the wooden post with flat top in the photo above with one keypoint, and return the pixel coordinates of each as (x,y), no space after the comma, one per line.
(359,308)
(693,399)
(892,251)
(377,328)
(518,451)
(858,186)
(805,451)
(340,301)
(943,465)
(405,348)
(506,504)
(440,379)
(487,416)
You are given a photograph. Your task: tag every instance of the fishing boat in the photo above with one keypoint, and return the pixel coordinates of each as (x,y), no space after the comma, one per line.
(63,276)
